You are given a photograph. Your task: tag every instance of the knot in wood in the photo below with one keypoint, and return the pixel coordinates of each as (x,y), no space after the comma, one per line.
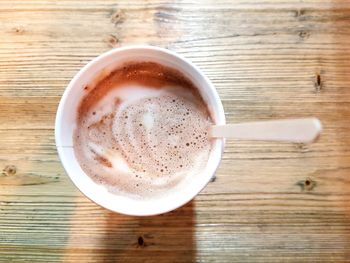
(307,184)
(118,17)
(9,170)
(318,82)
(140,241)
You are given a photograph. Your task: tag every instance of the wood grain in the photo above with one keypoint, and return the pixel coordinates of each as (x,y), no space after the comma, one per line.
(270,202)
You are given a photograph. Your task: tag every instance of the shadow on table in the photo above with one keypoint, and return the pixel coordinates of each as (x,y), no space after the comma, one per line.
(162,238)
(111,237)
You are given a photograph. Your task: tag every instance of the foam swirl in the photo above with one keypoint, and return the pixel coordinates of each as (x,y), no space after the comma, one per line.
(142,140)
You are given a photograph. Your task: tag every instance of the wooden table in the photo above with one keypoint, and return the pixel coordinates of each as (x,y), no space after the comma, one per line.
(270,202)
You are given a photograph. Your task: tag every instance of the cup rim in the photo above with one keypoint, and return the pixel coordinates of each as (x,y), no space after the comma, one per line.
(72,85)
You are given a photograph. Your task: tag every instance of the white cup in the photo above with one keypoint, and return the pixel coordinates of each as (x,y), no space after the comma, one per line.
(66,123)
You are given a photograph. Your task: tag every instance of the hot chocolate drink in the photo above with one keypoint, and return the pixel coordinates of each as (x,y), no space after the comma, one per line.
(142,130)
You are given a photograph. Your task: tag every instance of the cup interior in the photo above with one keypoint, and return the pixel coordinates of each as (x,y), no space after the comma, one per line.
(66,124)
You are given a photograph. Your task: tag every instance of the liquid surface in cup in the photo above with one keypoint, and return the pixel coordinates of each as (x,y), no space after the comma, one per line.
(142,130)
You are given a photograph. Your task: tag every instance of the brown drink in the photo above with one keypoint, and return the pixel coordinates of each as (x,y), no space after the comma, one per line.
(142,130)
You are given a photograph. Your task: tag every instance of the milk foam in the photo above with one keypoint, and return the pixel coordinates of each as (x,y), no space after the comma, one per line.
(141,140)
